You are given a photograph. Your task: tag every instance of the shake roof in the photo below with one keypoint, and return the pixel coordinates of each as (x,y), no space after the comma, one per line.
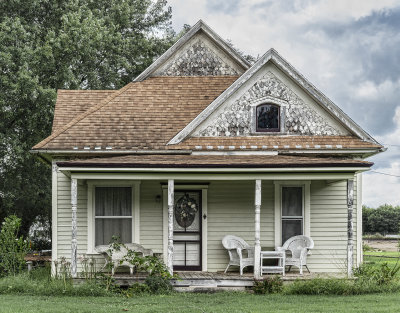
(146,115)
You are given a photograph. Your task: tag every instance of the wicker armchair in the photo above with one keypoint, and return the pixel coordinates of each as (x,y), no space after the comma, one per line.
(299,247)
(116,256)
(235,246)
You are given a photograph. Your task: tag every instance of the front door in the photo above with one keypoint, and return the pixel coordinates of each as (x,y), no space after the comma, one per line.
(187,231)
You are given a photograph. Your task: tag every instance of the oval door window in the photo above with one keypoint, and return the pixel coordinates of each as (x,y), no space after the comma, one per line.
(185,211)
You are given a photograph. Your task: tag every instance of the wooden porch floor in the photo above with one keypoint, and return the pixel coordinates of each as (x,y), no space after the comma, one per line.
(205,280)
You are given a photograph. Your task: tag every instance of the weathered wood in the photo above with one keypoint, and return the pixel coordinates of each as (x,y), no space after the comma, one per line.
(257,246)
(170,252)
(350,201)
(74,241)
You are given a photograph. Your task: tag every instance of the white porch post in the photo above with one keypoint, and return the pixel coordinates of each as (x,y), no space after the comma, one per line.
(74,242)
(257,246)
(170,251)
(350,200)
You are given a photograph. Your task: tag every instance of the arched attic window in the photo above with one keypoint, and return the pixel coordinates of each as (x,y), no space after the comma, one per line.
(267,118)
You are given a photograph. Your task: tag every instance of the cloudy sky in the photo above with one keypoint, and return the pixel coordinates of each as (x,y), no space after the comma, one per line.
(349,49)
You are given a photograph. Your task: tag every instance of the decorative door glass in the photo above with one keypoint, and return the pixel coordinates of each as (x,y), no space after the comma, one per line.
(187,230)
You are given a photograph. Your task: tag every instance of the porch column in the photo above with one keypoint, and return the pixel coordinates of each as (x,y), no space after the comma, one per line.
(74,242)
(170,252)
(257,246)
(350,200)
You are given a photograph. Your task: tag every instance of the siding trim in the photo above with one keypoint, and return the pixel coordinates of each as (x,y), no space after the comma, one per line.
(278,208)
(359,219)
(135,185)
(54,209)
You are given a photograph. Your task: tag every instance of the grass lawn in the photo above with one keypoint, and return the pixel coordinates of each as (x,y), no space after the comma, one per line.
(220,302)
(390,257)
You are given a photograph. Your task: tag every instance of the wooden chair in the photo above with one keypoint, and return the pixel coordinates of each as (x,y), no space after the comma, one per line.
(116,257)
(299,247)
(235,246)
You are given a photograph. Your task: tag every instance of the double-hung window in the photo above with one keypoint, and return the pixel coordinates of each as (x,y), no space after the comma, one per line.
(113,214)
(292,212)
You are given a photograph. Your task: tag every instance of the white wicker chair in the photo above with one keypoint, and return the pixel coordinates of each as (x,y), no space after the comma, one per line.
(235,246)
(299,247)
(116,256)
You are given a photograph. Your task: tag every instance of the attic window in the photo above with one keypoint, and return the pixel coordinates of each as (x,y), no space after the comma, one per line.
(267,118)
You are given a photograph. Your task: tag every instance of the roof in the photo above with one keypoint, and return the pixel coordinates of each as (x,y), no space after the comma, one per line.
(274,143)
(141,115)
(213,161)
(71,103)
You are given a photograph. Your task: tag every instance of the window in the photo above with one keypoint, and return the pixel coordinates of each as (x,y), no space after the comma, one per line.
(292,212)
(113,214)
(268,118)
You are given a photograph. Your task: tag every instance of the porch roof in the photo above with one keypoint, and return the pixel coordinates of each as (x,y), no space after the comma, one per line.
(213,161)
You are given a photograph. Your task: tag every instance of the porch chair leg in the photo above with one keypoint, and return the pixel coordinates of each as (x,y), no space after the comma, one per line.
(307,268)
(301,270)
(227,268)
(290,267)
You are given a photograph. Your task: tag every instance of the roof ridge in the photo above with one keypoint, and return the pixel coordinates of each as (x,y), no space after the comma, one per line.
(82,116)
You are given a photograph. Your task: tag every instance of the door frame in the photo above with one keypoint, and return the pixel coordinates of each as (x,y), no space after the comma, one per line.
(203,188)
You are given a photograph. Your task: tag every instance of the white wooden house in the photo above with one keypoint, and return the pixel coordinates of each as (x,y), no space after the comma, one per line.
(201,125)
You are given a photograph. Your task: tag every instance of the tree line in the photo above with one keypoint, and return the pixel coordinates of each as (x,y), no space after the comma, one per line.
(384,219)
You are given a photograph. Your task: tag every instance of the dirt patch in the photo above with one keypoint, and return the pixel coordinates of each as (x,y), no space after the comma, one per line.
(383,245)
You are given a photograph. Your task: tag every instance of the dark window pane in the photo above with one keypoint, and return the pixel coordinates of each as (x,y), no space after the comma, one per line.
(106,228)
(291,228)
(268,117)
(113,201)
(292,201)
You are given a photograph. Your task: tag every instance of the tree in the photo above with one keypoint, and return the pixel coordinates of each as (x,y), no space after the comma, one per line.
(384,220)
(63,44)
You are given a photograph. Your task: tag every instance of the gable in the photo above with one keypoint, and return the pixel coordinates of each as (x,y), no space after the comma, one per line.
(199,57)
(300,115)
(306,111)
(200,52)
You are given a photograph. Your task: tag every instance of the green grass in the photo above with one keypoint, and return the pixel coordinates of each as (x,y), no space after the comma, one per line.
(220,302)
(381,256)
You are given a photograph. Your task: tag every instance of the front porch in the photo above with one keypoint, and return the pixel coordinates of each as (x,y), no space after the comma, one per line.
(247,205)
(205,281)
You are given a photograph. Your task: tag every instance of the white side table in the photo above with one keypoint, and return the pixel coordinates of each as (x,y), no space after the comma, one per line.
(277,269)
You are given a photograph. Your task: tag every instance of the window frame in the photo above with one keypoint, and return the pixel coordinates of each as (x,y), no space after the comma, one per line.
(289,217)
(268,130)
(91,213)
(268,100)
(278,207)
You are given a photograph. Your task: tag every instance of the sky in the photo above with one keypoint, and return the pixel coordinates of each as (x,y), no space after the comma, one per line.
(348,49)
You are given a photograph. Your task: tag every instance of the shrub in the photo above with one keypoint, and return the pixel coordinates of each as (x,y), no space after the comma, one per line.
(380,274)
(272,284)
(12,248)
(158,284)
(319,286)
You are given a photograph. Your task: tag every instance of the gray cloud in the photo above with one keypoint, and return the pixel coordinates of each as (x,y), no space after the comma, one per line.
(228,7)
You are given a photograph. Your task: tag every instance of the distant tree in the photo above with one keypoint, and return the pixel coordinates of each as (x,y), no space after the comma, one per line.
(385,219)
(47,45)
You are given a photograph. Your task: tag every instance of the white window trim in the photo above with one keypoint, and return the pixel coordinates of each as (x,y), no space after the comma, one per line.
(92,184)
(268,100)
(278,207)
(204,197)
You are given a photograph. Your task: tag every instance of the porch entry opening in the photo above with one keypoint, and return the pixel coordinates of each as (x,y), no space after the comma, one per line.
(292,212)
(187,230)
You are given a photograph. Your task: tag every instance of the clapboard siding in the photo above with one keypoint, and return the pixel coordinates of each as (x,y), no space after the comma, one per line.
(231,211)
(328,226)
(151,216)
